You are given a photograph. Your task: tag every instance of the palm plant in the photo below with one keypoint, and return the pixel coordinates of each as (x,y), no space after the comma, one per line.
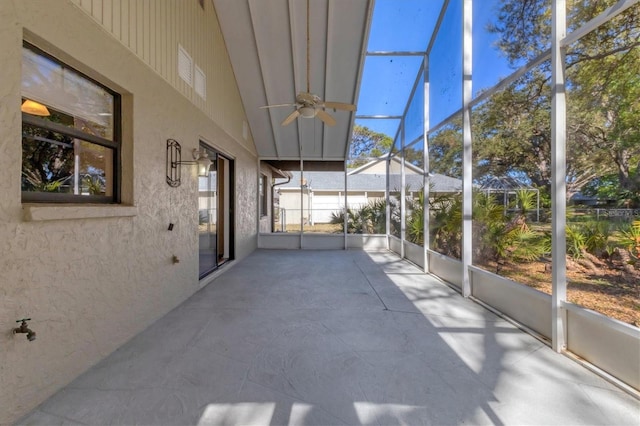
(596,236)
(366,219)
(446,224)
(503,239)
(631,239)
(576,241)
(94,185)
(525,203)
(415,218)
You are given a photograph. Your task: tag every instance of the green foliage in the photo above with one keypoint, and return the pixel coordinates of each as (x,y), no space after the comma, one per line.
(367,144)
(525,201)
(415,218)
(445,150)
(49,186)
(47,159)
(367,219)
(576,241)
(502,238)
(587,237)
(526,245)
(415,230)
(446,224)
(94,185)
(597,235)
(496,237)
(489,228)
(524,28)
(512,129)
(631,238)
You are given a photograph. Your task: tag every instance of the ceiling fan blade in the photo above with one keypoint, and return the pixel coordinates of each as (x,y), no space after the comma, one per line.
(278,105)
(325,117)
(339,105)
(295,114)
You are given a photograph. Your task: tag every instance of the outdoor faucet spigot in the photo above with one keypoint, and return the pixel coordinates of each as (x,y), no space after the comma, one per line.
(31,335)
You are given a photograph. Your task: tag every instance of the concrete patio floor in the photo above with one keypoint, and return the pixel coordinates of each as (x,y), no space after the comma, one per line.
(332,338)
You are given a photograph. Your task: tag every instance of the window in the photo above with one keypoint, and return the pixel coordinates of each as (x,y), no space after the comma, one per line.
(70,134)
(263,185)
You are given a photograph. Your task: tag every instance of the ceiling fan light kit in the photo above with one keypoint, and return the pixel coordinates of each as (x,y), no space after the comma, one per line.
(307,111)
(309,105)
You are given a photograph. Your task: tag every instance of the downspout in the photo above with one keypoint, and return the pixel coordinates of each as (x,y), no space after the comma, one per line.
(273,210)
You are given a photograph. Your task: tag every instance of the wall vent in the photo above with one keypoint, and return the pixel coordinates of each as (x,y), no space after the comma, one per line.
(200,83)
(185,66)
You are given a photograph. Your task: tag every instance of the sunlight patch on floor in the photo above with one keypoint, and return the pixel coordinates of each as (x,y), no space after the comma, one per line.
(370,413)
(250,413)
(244,413)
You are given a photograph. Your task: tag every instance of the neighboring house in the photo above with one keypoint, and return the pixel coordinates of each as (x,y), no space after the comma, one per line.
(322,193)
(579,199)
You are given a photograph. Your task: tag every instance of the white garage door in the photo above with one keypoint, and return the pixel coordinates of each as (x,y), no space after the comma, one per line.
(324,205)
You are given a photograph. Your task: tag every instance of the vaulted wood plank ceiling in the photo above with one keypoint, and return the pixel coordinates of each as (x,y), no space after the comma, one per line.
(267,44)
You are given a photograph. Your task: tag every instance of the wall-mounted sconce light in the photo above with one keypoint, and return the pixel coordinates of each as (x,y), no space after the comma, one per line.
(34,108)
(174,162)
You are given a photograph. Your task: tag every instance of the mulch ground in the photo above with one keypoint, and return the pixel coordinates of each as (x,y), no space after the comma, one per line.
(613,290)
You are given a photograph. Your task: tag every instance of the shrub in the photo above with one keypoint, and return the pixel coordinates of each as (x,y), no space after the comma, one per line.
(576,241)
(631,239)
(367,219)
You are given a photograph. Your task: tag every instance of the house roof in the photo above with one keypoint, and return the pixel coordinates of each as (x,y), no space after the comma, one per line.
(396,159)
(334,181)
(503,183)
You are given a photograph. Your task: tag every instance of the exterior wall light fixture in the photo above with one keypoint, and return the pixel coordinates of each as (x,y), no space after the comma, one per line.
(174,162)
(34,108)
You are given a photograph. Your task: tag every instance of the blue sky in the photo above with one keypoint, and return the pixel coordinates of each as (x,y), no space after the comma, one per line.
(407,25)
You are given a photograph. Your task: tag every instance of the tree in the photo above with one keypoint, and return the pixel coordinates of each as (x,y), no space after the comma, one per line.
(512,129)
(47,159)
(367,144)
(445,150)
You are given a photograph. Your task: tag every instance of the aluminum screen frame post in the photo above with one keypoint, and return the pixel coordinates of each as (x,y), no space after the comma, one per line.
(559,172)
(346,208)
(403,192)
(467,158)
(388,202)
(426,181)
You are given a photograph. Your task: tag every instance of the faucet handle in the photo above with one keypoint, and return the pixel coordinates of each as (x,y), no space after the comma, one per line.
(24,319)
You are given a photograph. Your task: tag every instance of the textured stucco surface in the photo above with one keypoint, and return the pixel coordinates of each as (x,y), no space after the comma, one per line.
(90,284)
(265,221)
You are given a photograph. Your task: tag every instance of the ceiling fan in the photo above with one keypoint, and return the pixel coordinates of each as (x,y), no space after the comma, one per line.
(309,105)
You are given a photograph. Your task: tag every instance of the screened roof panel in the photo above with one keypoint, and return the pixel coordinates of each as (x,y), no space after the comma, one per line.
(490,65)
(386,84)
(403,25)
(414,121)
(388,126)
(445,66)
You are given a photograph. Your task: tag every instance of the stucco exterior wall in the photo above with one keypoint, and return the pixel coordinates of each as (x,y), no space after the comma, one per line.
(265,220)
(92,277)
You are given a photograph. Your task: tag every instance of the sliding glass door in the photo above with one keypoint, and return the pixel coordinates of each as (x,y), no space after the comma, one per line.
(215,213)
